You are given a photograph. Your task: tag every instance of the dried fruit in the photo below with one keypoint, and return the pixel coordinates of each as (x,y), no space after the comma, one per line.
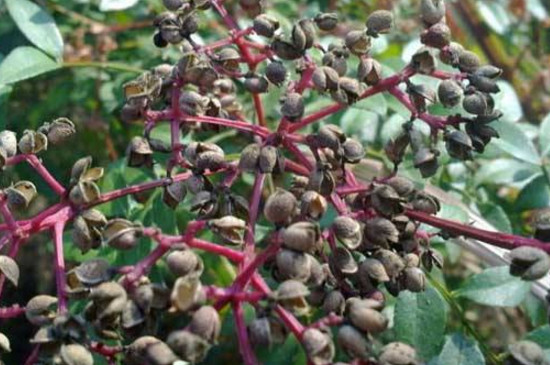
(529,263)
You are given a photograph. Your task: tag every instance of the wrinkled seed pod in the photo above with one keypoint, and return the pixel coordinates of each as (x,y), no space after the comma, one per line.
(468,61)
(230,228)
(285,50)
(275,72)
(414,279)
(403,186)
(186,293)
(425,160)
(432,11)
(437,36)
(426,203)
(318,346)
(174,194)
(369,71)
(280,206)
(373,269)
(302,236)
(292,294)
(353,342)
(450,93)
(353,151)
(188,346)
(379,22)
(334,302)
(392,262)
(527,353)
(20,194)
(265,25)
(381,232)
(266,331)
(183,263)
(326,21)
(139,153)
(41,310)
(459,145)
(60,130)
(348,231)
(206,323)
(292,106)
(358,42)
(293,265)
(33,142)
(342,263)
(365,318)
(121,234)
(8,142)
(249,157)
(398,353)
(75,354)
(529,263)
(92,272)
(313,204)
(268,159)
(330,136)
(84,237)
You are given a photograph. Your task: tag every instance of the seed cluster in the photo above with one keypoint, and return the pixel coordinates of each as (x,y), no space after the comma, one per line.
(322,279)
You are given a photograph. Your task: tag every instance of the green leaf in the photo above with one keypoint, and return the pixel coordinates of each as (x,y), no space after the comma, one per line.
(504,171)
(5,91)
(514,142)
(544,136)
(360,123)
(420,320)
(459,350)
(507,101)
(37,25)
(541,336)
(536,309)
(534,195)
(496,216)
(495,287)
(375,103)
(23,63)
(113,5)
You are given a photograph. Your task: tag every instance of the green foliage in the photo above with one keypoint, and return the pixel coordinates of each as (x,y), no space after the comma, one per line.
(459,350)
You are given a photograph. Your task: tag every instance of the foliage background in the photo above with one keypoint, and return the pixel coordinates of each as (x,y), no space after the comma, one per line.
(104,47)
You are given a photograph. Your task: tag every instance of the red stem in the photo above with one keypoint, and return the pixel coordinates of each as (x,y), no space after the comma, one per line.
(59,265)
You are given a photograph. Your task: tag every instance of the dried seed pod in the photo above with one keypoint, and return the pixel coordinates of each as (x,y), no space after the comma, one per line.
(292,265)
(33,142)
(414,279)
(230,228)
(348,92)
(267,331)
(421,96)
(122,234)
(478,103)
(334,302)
(459,145)
(41,310)
(206,323)
(256,84)
(148,350)
(139,153)
(353,342)
(468,61)
(330,136)
(265,25)
(429,258)
(373,269)
(20,194)
(8,143)
(173,5)
(450,55)
(426,203)
(403,186)
(348,231)
(60,130)
(193,103)
(381,232)
(275,72)
(313,205)
(280,207)
(379,22)
(303,35)
(132,316)
(481,134)
(432,11)
(228,58)
(75,354)
(358,42)
(302,236)
(188,346)
(395,148)
(369,71)
(526,353)
(318,346)
(108,301)
(268,159)
(541,225)
(437,36)
(326,21)
(321,180)
(174,194)
(325,78)
(425,160)
(423,61)
(397,353)
(342,263)
(393,263)
(184,263)
(84,236)
(186,293)
(205,202)
(365,318)
(529,263)
(292,294)
(285,50)
(386,200)
(292,106)
(90,273)
(483,84)
(450,93)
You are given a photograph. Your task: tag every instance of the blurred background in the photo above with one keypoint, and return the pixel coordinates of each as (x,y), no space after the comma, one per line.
(108,42)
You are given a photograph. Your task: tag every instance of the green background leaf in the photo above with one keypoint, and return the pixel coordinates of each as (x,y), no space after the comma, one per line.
(23,63)
(514,142)
(459,350)
(37,25)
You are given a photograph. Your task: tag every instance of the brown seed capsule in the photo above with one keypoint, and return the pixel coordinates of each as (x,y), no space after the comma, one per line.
(432,11)
(395,148)
(468,61)
(265,25)
(529,263)
(292,265)
(90,273)
(132,316)
(292,106)
(381,232)
(275,72)
(280,207)
(230,228)
(374,270)
(313,205)
(184,263)
(292,294)
(423,61)
(397,353)
(425,160)
(139,153)
(369,71)
(379,22)
(403,186)
(459,145)
(353,342)
(342,263)
(337,62)
(321,180)
(41,310)
(121,234)
(326,21)
(330,136)
(186,293)
(75,354)
(8,143)
(269,159)
(205,203)
(426,203)
(358,42)
(256,84)
(437,36)
(478,103)
(206,323)
(365,318)
(414,279)
(33,142)
(20,194)
(267,331)
(325,78)
(450,93)
(302,236)
(334,302)
(526,353)
(348,231)
(450,55)
(318,346)
(285,50)
(386,200)
(174,194)
(303,34)
(348,92)
(193,103)
(60,130)
(392,262)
